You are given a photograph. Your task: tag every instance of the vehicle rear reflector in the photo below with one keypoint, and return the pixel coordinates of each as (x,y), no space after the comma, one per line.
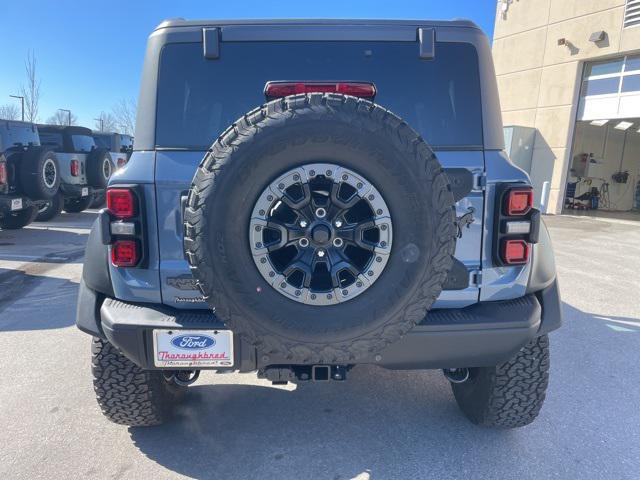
(3,173)
(121,202)
(125,253)
(519,201)
(515,252)
(75,168)
(284,89)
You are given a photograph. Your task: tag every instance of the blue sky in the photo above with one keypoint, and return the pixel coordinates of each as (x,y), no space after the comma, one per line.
(90,52)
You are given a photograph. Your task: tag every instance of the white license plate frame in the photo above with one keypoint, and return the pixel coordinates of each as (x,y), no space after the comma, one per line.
(205,349)
(16,204)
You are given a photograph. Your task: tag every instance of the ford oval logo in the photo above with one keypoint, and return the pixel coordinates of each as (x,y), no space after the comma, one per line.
(193,342)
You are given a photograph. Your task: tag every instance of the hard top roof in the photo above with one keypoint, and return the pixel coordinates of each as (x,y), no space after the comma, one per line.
(181,22)
(16,123)
(70,129)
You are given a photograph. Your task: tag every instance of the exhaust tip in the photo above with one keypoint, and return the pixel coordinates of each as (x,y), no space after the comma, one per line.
(456,375)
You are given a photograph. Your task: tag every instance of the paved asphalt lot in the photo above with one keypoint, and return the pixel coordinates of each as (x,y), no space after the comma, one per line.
(377,425)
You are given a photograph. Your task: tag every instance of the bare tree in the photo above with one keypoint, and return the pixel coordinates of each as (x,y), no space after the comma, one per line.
(9,112)
(125,115)
(31,91)
(62,118)
(106,122)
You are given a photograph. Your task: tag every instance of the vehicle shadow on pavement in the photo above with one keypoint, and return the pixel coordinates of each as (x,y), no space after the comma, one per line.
(388,424)
(36,302)
(70,220)
(38,245)
(332,430)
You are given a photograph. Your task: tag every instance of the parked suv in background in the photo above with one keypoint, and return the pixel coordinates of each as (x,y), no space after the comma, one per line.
(347,202)
(29,174)
(120,147)
(85,168)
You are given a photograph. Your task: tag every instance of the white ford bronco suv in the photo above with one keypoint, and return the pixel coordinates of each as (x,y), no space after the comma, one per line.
(306,196)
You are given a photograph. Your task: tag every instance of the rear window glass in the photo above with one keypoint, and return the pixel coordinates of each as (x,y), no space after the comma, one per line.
(51,139)
(103,141)
(82,143)
(12,135)
(199,98)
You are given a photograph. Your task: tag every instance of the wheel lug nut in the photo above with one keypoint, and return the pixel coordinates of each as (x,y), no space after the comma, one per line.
(303,242)
(338,223)
(337,242)
(303,224)
(321,213)
(321,253)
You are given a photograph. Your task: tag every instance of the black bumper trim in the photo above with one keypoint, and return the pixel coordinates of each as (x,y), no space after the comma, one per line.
(5,202)
(483,334)
(72,190)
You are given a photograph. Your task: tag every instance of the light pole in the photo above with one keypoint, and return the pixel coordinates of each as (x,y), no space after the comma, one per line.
(101,120)
(22,103)
(68,115)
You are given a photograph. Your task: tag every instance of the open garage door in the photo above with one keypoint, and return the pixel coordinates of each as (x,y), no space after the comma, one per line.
(604,171)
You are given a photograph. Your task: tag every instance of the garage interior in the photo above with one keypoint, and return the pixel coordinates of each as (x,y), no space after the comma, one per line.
(604,175)
(604,169)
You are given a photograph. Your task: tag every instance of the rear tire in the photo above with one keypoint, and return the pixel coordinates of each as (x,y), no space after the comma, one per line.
(20,219)
(39,173)
(77,204)
(509,395)
(99,168)
(127,394)
(51,208)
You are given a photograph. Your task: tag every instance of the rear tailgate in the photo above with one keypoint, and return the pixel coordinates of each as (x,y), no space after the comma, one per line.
(199,97)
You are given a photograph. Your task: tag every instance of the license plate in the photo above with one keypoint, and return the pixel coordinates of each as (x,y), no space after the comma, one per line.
(192,348)
(16,204)
(85,191)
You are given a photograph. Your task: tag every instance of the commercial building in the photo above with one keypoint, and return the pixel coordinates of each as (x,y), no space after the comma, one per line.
(569,79)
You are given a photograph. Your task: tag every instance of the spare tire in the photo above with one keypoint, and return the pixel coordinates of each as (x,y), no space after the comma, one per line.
(337,188)
(99,168)
(39,173)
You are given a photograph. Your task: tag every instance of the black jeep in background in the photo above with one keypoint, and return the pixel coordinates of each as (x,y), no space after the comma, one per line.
(29,174)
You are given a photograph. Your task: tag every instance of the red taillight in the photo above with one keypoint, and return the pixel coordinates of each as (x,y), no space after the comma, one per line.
(284,89)
(121,202)
(121,162)
(518,201)
(75,168)
(3,173)
(125,253)
(515,252)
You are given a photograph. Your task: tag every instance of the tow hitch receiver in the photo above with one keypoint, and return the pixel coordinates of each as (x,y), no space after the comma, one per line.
(280,375)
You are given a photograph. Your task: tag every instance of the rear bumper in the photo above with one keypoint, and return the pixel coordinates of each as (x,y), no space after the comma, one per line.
(484,334)
(7,200)
(73,191)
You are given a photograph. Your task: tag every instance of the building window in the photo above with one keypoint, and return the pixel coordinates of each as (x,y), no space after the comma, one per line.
(632,14)
(613,77)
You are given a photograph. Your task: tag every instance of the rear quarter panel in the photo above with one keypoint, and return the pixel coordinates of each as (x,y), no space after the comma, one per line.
(500,283)
(140,284)
(64,162)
